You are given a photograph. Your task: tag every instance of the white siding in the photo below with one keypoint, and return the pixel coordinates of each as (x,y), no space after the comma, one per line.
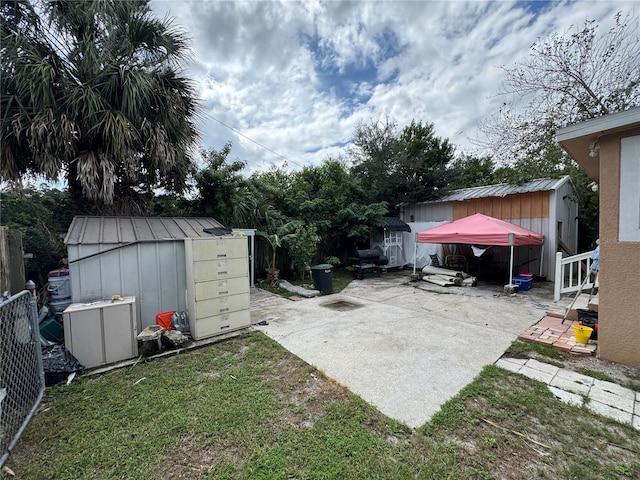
(629,206)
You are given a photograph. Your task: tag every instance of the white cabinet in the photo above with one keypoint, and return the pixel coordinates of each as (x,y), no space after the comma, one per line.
(101,332)
(217,285)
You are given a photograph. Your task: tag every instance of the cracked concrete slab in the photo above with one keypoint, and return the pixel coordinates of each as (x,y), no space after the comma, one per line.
(405,350)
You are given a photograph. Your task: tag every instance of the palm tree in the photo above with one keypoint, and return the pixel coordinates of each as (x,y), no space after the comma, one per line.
(280,234)
(92,93)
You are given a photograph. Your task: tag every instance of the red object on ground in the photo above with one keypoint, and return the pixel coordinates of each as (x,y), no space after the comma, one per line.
(164,320)
(595,327)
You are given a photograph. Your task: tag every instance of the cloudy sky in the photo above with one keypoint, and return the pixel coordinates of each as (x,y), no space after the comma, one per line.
(291,80)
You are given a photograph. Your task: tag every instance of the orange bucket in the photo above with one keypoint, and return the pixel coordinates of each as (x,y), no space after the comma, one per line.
(164,320)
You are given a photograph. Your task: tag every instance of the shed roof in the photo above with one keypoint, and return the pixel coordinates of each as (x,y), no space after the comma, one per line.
(117,230)
(501,190)
(394,224)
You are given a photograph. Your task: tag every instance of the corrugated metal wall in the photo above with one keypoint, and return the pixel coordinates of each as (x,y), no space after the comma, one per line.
(153,272)
(567,213)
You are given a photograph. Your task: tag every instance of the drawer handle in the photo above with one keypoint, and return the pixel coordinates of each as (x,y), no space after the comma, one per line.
(225,292)
(222,273)
(222,255)
(224,310)
(224,326)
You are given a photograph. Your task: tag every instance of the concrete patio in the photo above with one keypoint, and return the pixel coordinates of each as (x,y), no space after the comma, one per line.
(404,347)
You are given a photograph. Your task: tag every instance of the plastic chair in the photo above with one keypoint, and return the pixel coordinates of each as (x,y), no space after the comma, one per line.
(456,262)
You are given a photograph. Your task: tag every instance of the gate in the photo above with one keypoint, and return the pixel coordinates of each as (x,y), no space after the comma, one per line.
(21,375)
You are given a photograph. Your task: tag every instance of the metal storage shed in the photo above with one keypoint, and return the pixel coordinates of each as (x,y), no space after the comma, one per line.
(139,256)
(545,206)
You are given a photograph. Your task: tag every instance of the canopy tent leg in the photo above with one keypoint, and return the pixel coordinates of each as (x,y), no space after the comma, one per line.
(512,242)
(541,258)
(415,253)
(511,267)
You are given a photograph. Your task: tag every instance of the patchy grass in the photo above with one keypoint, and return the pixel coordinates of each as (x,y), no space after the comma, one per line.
(628,383)
(527,349)
(265,285)
(597,375)
(245,408)
(632,385)
(341,278)
(508,426)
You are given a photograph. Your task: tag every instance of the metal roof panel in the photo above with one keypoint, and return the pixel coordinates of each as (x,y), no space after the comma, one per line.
(501,190)
(119,230)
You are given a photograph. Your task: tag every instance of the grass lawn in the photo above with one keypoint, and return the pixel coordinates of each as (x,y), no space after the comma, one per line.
(245,408)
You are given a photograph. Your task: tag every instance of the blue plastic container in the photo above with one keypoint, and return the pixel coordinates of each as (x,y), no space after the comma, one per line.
(524,283)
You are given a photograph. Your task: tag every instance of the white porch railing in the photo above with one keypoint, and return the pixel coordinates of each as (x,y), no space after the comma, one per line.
(571,272)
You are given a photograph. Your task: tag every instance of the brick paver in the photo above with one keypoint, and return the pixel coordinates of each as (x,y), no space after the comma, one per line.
(551,331)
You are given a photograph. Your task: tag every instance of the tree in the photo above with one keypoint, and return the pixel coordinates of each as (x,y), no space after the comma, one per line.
(333,200)
(471,171)
(393,166)
(422,166)
(92,93)
(278,235)
(223,193)
(302,248)
(565,79)
(373,154)
(43,216)
(326,196)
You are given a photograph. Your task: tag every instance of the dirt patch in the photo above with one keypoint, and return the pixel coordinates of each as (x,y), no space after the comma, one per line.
(620,374)
(194,458)
(341,305)
(305,392)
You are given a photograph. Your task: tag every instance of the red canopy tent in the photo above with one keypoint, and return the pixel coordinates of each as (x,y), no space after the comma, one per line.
(479,229)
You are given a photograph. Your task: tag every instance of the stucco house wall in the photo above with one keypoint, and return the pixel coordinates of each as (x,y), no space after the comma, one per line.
(619,300)
(620,264)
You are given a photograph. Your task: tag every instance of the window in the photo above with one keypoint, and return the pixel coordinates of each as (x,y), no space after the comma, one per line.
(393,238)
(629,220)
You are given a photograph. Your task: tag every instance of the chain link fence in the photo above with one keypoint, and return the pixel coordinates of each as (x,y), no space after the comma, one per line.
(21,375)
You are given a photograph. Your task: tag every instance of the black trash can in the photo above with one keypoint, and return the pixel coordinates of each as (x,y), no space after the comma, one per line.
(323,278)
(589,318)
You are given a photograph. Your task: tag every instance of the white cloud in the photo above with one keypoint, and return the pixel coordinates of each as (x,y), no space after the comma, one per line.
(297,77)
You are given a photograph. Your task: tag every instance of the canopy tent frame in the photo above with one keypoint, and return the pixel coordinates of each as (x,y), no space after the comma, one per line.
(479,229)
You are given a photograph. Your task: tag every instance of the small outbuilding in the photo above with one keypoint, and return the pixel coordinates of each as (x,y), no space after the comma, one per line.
(156,260)
(388,240)
(548,207)
(478,229)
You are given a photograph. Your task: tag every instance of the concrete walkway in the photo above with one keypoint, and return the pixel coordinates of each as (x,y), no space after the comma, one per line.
(605,398)
(406,350)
